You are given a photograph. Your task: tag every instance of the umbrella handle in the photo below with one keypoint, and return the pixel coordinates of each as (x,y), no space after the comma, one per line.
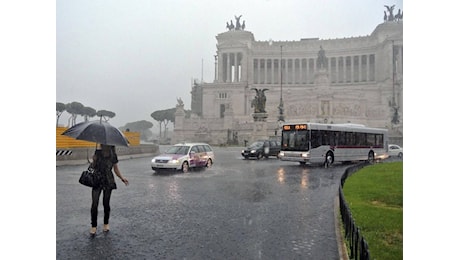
(87,155)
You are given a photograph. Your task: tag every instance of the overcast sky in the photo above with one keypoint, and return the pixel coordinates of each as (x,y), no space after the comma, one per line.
(136,57)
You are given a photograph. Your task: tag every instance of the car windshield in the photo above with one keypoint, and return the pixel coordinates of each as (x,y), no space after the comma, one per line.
(178,150)
(256,144)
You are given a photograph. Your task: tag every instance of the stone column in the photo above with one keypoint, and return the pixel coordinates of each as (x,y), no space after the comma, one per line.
(336,70)
(216,70)
(352,69)
(367,68)
(359,68)
(229,68)
(240,67)
(244,65)
(258,71)
(300,71)
(222,67)
(307,71)
(272,71)
(265,71)
(235,67)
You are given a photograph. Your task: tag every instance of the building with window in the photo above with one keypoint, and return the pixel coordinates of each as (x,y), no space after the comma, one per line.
(349,80)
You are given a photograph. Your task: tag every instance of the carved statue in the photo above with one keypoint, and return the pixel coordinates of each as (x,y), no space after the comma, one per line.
(180,103)
(237,24)
(259,100)
(390,12)
(399,15)
(321,62)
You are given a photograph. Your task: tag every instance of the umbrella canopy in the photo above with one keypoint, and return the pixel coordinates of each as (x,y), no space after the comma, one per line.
(97,131)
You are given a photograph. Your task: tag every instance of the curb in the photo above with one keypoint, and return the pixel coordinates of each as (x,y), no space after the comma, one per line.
(343,254)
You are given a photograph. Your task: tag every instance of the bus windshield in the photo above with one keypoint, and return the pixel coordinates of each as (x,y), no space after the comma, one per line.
(295,140)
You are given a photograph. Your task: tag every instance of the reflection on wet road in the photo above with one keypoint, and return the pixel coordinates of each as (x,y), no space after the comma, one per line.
(238,209)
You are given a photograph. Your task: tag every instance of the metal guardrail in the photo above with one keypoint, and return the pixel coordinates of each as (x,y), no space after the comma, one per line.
(358,246)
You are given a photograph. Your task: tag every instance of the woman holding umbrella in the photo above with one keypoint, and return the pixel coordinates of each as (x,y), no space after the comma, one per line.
(104,160)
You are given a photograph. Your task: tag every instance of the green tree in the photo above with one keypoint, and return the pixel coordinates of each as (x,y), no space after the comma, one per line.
(163,117)
(74,109)
(142,126)
(60,108)
(88,112)
(105,114)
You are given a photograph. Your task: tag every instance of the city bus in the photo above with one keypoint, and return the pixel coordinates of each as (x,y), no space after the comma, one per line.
(309,143)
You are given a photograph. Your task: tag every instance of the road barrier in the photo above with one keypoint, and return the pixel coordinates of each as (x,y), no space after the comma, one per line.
(63,152)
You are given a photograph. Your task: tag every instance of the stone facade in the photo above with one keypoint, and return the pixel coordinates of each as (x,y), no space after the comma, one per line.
(357,80)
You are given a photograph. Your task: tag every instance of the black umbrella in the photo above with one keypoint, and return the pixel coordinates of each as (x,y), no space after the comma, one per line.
(97,131)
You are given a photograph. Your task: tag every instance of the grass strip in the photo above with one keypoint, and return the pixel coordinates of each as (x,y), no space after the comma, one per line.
(375,197)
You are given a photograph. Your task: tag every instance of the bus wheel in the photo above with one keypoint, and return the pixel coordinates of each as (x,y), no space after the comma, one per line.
(370,157)
(329,160)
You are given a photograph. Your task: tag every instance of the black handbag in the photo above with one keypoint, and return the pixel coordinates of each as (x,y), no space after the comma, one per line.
(90,177)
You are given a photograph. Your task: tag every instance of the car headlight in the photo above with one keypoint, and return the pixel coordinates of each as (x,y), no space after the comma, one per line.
(253,151)
(174,161)
(281,154)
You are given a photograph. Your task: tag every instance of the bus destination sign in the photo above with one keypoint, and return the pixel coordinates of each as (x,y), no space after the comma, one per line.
(295,127)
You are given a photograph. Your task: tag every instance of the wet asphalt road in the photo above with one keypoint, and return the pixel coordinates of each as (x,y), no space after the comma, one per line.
(238,209)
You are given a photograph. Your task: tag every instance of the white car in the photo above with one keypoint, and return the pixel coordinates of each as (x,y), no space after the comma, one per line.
(395,150)
(183,157)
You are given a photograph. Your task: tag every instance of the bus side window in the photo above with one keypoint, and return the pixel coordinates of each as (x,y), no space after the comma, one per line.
(342,139)
(379,140)
(325,137)
(315,138)
(336,138)
(350,140)
(371,139)
(329,138)
(361,139)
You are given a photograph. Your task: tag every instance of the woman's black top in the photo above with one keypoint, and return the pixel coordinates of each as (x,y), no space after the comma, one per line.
(104,165)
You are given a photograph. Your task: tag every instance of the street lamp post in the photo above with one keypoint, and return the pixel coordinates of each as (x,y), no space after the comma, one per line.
(281,105)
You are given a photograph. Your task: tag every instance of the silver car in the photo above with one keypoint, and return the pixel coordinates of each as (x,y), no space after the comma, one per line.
(183,157)
(395,150)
